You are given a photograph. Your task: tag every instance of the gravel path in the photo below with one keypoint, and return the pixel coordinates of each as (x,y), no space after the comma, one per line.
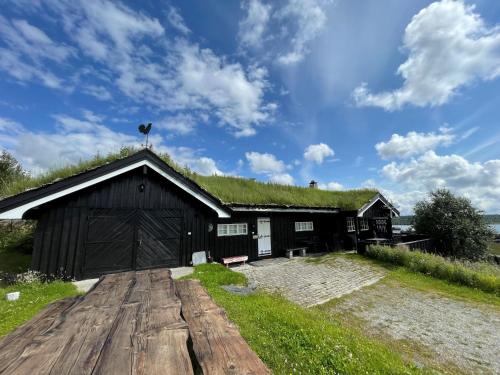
(309,284)
(460,332)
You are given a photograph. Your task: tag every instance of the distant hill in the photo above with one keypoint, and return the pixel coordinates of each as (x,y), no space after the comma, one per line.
(406,220)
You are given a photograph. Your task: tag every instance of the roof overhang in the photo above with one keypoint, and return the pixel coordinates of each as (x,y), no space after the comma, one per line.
(17,211)
(286,209)
(375,199)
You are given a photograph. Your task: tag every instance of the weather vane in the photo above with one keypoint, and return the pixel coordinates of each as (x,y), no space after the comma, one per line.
(145,130)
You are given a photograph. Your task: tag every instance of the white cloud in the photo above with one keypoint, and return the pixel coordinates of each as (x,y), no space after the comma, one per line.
(97,91)
(176,20)
(449,47)
(309,19)
(253,26)
(178,76)
(264,163)
(478,181)
(413,143)
(269,165)
(75,139)
(331,186)
(317,153)
(283,31)
(281,178)
(181,124)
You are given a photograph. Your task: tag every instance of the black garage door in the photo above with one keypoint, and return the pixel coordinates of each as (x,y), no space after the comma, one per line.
(122,240)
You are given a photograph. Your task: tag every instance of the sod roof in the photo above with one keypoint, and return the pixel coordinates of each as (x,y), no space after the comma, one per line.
(230,190)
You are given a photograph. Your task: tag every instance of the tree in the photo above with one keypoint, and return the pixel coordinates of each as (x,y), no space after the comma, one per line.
(458,228)
(10,169)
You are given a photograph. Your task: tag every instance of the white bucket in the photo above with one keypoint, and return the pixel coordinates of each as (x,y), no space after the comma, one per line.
(14,296)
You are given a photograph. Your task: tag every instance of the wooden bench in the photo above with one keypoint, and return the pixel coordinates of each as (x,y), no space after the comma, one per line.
(236,259)
(217,343)
(301,250)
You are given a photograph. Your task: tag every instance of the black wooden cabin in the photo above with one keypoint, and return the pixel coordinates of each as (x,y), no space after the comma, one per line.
(138,213)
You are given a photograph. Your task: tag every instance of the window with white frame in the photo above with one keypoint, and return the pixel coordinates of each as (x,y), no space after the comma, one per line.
(237,229)
(363,224)
(304,226)
(351,226)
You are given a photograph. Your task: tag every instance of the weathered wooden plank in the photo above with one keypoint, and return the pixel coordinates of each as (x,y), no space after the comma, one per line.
(74,340)
(217,343)
(14,343)
(149,335)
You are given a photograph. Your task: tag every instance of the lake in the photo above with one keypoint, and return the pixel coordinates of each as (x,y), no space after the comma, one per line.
(496,227)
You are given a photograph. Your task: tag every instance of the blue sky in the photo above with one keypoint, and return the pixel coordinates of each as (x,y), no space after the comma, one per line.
(402,96)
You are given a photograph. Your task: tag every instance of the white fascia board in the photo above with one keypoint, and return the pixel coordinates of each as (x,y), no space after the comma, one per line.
(18,212)
(363,210)
(297,210)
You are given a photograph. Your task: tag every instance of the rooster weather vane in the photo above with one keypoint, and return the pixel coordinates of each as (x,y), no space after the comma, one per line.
(145,130)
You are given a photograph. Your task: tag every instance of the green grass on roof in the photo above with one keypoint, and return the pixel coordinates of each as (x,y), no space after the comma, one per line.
(230,190)
(245,191)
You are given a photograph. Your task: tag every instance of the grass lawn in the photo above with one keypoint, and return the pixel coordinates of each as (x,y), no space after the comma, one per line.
(34,297)
(291,339)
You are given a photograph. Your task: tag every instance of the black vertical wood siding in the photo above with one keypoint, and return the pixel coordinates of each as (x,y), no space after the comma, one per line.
(59,244)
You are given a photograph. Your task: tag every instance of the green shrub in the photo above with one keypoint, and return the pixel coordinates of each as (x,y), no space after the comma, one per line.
(15,248)
(458,229)
(483,277)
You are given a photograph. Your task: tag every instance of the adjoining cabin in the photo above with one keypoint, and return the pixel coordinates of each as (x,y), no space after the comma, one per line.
(138,212)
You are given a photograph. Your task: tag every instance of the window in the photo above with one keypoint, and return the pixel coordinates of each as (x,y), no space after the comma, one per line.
(363,224)
(238,229)
(303,226)
(381,225)
(351,226)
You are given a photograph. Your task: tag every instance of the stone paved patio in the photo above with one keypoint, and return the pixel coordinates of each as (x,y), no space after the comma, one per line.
(309,284)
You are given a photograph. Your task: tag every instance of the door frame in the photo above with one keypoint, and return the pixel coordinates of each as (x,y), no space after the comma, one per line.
(264,252)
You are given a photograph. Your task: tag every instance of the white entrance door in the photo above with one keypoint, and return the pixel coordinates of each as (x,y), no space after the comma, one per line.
(264,232)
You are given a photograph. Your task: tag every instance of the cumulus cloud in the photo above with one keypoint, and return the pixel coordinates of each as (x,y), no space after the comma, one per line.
(478,181)
(264,163)
(318,153)
(75,139)
(413,143)
(449,46)
(282,179)
(268,164)
(331,186)
(253,26)
(178,75)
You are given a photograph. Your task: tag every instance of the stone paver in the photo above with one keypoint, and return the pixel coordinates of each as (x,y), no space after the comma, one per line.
(309,284)
(464,333)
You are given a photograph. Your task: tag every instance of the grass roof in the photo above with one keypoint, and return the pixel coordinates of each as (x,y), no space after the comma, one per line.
(230,190)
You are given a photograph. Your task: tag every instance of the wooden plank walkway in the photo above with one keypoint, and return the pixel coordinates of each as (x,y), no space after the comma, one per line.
(217,344)
(130,323)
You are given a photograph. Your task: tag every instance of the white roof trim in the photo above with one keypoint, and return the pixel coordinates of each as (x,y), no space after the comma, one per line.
(304,210)
(18,212)
(362,210)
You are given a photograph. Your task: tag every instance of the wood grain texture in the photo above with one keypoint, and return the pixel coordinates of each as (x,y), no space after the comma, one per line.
(217,343)
(130,323)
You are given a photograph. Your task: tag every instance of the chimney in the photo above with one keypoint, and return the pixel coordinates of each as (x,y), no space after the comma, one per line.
(313,184)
